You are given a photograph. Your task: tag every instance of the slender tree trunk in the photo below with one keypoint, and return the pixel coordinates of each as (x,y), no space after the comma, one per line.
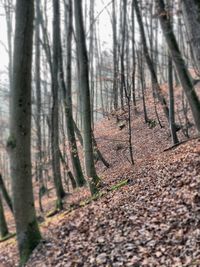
(67,99)
(85,92)
(19,142)
(161,97)
(172,122)
(3,225)
(171,103)
(91,59)
(179,63)
(114,28)
(38,101)
(123,37)
(133,55)
(191,15)
(55,108)
(5,194)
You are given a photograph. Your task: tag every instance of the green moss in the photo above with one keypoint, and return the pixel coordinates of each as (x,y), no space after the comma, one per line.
(52,213)
(92,198)
(29,242)
(8,236)
(11,142)
(42,191)
(152,124)
(119,185)
(59,204)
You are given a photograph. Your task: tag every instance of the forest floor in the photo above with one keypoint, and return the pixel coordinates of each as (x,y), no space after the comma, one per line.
(151,219)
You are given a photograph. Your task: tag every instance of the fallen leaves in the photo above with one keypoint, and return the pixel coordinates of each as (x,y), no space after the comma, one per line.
(151,220)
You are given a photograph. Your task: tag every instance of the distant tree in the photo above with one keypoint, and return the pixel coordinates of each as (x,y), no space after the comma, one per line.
(179,62)
(133,56)
(115,61)
(191,16)
(150,64)
(171,87)
(19,142)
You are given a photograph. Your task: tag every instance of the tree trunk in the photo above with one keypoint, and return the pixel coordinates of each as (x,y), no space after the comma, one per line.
(179,63)
(38,101)
(191,16)
(5,194)
(3,224)
(133,55)
(171,102)
(114,28)
(67,99)
(19,142)
(55,108)
(85,92)
(161,97)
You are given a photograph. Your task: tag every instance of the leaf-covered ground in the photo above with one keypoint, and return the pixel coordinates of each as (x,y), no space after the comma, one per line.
(153,220)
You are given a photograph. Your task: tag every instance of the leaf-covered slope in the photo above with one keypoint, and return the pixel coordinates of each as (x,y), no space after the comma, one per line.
(154,220)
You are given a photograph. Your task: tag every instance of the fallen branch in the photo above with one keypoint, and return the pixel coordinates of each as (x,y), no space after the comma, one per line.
(180,143)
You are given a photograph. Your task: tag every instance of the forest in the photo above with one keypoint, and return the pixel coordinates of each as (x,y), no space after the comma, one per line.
(100,133)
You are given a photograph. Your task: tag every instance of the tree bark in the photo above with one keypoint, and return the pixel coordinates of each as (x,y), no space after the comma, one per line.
(114,28)
(179,62)
(3,224)
(191,16)
(19,142)
(55,108)
(38,102)
(85,92)
(67,99)
(5,194)
(161,97)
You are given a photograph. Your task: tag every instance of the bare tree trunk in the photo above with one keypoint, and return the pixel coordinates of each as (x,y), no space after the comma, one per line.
(179,63)
(161,97)
(123,37)
(55,108)
(91,59)
(86,111)
(67,99)
(172,122)
(19,142)
(38,101)
(3,224)
(5,194)
(114,28)
(133,56)
(191,15)
(171,103)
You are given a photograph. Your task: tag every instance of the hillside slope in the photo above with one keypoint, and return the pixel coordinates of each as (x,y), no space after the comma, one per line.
(153,220)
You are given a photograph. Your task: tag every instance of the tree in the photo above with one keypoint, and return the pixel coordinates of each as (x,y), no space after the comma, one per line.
(3,224)
(38,103)
(150,64)
(55,107)
(19,142)
(179,62)
(5,194)
(115,63)
(191,16)
(133,56)
(85,96)
(171,90)
(67,99)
